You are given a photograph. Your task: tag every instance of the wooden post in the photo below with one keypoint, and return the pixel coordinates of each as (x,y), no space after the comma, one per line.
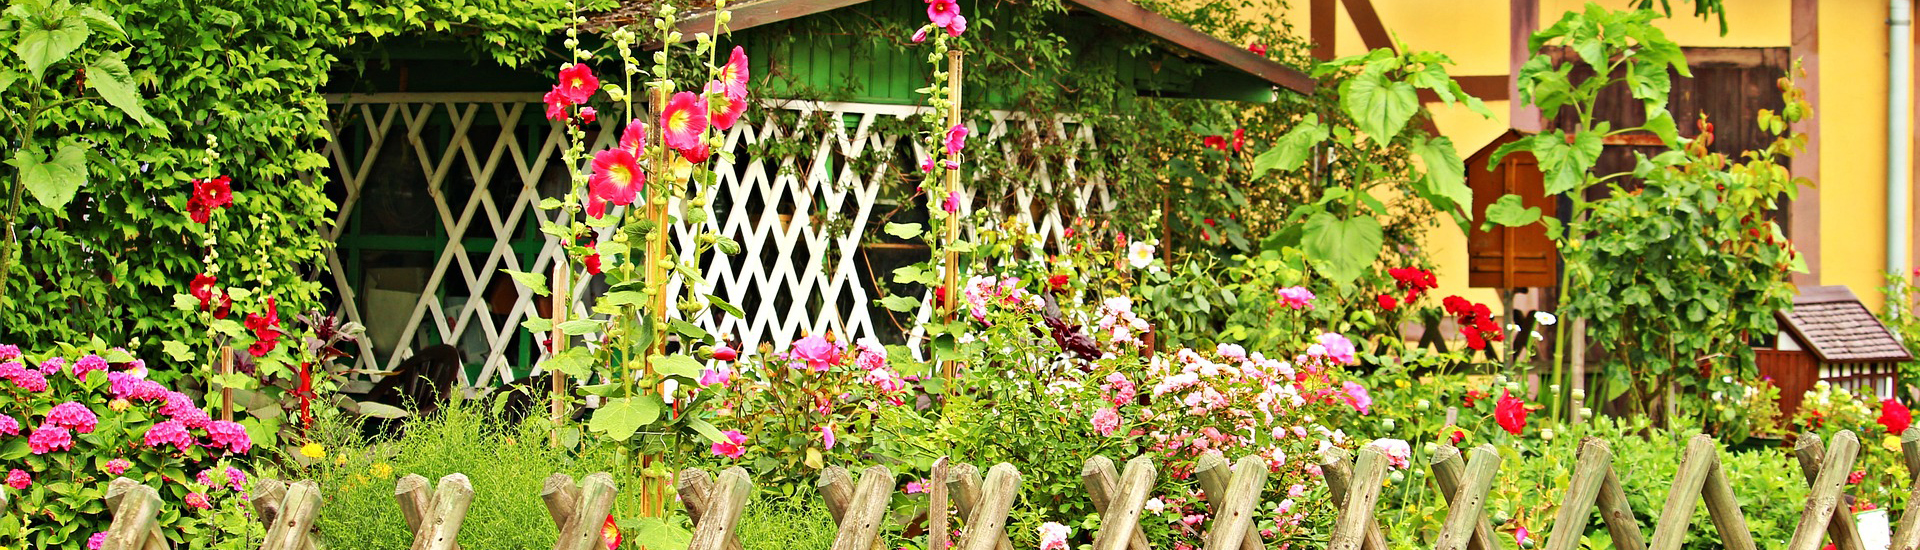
(1212,471)
(938,507)
(1621,525)
(862,518)
(297,512)
(1594,461)
(562,305)
(1724,509)
(722,511)
(226,393)
(1910,452)
(1467,503)
(1845,534)
(963,482)
(1907,535)
(561,495)
(1339,474)
(1448,471)
(1234,508)
(1102,482)
(1671,528)
(440,523)
(950,277)
(696,491)
(1823,491)
(136,510)
(1356,513)
(1122,517)
(988,522)
(583,531)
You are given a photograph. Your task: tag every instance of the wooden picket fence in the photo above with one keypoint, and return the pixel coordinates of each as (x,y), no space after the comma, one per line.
(1232,491)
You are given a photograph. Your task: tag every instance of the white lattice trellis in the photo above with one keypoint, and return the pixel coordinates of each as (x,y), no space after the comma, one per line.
(779,271)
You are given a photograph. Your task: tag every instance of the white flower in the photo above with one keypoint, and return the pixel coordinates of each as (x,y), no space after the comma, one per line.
(1544,319)
(667,388)
(1156,505)
(1139,254)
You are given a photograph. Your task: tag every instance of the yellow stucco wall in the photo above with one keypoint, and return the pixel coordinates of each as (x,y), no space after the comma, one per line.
(1852,106)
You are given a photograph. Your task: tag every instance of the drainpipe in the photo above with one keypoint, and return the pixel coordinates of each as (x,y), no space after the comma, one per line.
(1899,94)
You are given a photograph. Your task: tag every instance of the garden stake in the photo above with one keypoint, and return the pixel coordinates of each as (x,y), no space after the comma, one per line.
(561,268)
(1449,471)
(1823,491)
(951,277)
(226,393)
(1213,472)
(1103,486)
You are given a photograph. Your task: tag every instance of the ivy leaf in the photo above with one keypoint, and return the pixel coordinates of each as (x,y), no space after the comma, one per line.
(1381,108)
(904,230)
(900,303)
(622,416)
(576,362)
(1342,249)
(46,41)
(1293,149)
(54,181)
(1508,212)
(1446,175)
(108,75)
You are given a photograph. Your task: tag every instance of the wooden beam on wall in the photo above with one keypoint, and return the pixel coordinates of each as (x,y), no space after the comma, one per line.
(1373,33)
(1524,21)
(1322,19)
(1487,87)
(1804,224)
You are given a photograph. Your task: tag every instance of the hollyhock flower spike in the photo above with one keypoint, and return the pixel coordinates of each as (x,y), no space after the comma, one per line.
(577,83)
(724,104)
(1895,416)
(684,121)
(942,12)
(956,139)
(617,177)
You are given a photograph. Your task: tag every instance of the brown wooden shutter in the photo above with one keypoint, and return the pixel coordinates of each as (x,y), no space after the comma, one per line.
(1509,257)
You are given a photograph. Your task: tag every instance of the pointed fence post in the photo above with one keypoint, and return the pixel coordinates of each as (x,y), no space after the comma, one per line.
(1214,475)
(1340,481)
(1467,503)
(696,493)
(987,524)
(1449,469)
(590,510)
(1824,489)
(1671,529)
(291,527)
(1102,482)
(862,519)
(721,512)
(136,513)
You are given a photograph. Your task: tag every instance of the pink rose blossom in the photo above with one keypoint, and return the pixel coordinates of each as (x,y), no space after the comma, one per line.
(1106,421)
(1357,397)
(1231,352)
(19,480)
(49,438)
(1296,297)
(872,356)
(1053,536)
(1339,348)
(718,375)
(1397,451)
(733,447)
(818,353)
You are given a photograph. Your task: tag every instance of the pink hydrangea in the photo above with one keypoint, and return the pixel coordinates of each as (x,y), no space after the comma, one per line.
(1296,297)
(148,390)
(733,447)
(50,438)
(177,403)
(19,480)
(916,487)
(9,426)
(170,432)
(231,435)
(73,415)
(11,369)
(1053,536)
(1357,397)
(88,364)
(118,466)
(31,380)
(1106,421)
(235,479)
(9,352)
(192,417)
(97,540)
(121,384)
(818,353)
(198,500)
(53,365)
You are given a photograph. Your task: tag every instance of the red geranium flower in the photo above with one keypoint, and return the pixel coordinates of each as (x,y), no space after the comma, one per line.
(1510,412)
(1214,142)
(1895,416)
(1058,281)
(1239,138)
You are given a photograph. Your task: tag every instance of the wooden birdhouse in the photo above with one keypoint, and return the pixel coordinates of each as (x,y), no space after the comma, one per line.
(1509,257)
(1830,336)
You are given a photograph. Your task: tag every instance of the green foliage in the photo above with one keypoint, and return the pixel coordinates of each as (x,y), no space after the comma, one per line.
(1899,316)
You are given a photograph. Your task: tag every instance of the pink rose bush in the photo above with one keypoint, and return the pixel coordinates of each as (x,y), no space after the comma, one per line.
(83,417)
(820,397)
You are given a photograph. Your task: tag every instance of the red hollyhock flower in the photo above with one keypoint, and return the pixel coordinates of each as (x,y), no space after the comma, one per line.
(1387,302)
(616,177)
(1257,49)
(577,83)
(596,206)
(592,260)
(725,104)
(1214,142)
(1239,138)
(1455,437)
(1510,412)
(557,104)
(698,154)
(266,329)
(1895,416)
(634,138)
(610,533)
(202,288)
(684,122)
(207,196)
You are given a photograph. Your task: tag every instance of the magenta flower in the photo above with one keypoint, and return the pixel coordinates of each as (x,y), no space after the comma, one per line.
(733,447)
(11,369)
(176,403)
(1106,421)
(684,121)
(235,479)
(9,426)
(952,203)
(916,487)
(817,352)
(926,164)
(826,436)
(557,104)
(1357,397)
(734,73)
(725,352)
(577,83)
(170,432)
(921,35)
(1339,348)
(957,26)
(50,438)
(956,139)
(231,435)
(872,356)
(88,364)
(198,500)
(724,105)
(1296,297)
(19,480)
(97,540)
(73,415)
(941,12)
(634,138)
(616,177)
(53,365)
(718,375)
(118,466)
(148,390)
(9,352)
(31,380)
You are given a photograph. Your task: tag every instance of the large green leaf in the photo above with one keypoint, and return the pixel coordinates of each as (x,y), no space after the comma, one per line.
(108,75)
(620,417)
(48,40)
(1446,179)
(1342,249)
(52,181)
(675,365)
(1293,149)
(1508,212)
(1379,106)
(576,362)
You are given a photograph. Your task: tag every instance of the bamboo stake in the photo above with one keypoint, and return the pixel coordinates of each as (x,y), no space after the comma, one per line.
(951,277)
(226,393)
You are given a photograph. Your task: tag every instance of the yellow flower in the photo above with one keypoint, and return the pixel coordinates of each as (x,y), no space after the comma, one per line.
(340,459)
(382,470)
(313,450)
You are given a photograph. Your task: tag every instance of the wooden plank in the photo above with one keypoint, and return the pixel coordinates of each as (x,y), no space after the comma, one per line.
(1234,508)
(1373,33)
(1213,473)
(1614,510)
(1138,17)
(1123,513)
(988,522)
(1671,529)
(696,489)
(863,517)
(1808,452)
(1594,461)
(561,495)
(963,481)
(1322,21)
(1823,492)
(1339,474)
(939,508)
(118,490)
(1362,493)
(136,516)
(1910,452)
(836,489)
(1449,471)
(440,526)
(297,513)
(1907,535)
(1724,509)
(1466,509)
(729,497)
(1102,482)
(583,530)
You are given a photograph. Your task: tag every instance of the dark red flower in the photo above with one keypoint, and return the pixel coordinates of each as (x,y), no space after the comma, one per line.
(202,288)
(1257,49)
(1214,142)
(1455,437)
(266,329)
(209,195)
(1058,282)
(592,260)
(1895,416)
(1387,302)
(1510,412)
(1239,139)
(1856,477)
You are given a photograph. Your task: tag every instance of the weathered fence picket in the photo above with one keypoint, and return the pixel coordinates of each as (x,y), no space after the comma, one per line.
(584,509)
(292,526)
(1102,482)
(964,485)
(435,520)
(136,511)
(938,508)
(1213,473)
(696,492)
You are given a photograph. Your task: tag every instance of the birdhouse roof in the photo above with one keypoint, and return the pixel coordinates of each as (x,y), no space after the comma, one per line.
(1831,321)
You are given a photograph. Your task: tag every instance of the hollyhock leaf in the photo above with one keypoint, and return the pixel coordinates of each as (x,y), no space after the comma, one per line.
(581,326)
(904,230)
(676,365)
(536,324)
(900,303)
(46,41)
(1663,125)
(533,281)
(1508,212)
(1342,249)
(1381,108)
(688,329)
(1293,149)
(176,351)
(54,181)
(658,533)
(108,75)
(620,417)
(706,429)
(576,362)
(1446,176)
(726,306)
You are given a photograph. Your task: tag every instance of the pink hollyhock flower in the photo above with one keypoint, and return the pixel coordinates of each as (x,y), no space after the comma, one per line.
(826,436)
(734,73)
(557,104)
(1231,352)
(596,206)
(73,415)
(941,12)
(231,435)
(1053,536)
(951,164)
(88,364)
(50,438)
(97,540)
(577,82)
(1106,421)
(725,352)
(9,352)
(616,177)
(9,426)
(198,500)
(587,114)
(1398,453)
(926,164)
(1296,297)
(818,353)
(724,105)
(957,26)
(733,447)
(634,138)
(952,203)
(698,154)
(719,375)
(1357,397)
(684,121)
(921,35)
(1339,348)
(956,139)
(118,466)
(170,432)
(19,480)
